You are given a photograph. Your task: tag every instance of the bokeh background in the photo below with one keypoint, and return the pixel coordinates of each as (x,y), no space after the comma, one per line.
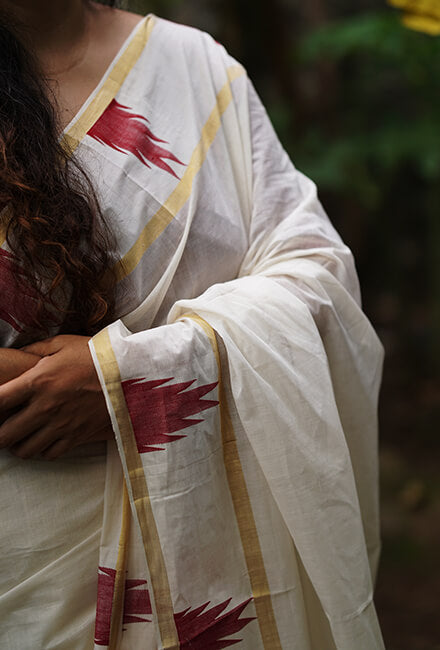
(354,96)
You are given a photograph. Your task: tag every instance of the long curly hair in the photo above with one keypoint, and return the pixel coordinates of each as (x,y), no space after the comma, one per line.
(55,228)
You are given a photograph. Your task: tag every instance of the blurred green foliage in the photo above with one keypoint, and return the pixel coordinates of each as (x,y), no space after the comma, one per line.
(387,105)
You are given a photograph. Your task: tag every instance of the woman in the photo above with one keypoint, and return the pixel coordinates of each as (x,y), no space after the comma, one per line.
(231,369)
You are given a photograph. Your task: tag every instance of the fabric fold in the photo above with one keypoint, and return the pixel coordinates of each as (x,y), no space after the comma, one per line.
(243,396)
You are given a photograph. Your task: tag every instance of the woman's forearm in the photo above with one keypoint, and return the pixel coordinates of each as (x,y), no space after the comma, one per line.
(14,363)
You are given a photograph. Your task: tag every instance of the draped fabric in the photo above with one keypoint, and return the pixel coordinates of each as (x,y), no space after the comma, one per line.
(241,497)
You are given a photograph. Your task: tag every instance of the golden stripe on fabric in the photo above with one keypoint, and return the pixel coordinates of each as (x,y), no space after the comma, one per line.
(119,589)
(179,196)
(161,596)
(243,510)
(111,85)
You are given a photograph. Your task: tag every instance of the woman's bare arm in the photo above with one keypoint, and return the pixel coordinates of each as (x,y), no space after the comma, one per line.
(14,362)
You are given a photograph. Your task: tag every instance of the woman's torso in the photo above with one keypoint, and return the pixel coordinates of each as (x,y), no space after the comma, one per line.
(140,151)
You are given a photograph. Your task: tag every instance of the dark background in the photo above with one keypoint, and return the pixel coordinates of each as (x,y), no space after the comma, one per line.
(354,96)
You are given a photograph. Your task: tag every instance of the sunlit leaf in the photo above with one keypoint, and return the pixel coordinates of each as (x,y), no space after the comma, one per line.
(422,24)
(420,15)
(421,7)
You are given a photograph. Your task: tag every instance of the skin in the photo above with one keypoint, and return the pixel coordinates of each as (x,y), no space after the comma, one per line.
(74,42)
(50,397)
(15,362)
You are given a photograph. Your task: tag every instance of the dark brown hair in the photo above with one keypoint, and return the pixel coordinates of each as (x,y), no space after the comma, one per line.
(55,229)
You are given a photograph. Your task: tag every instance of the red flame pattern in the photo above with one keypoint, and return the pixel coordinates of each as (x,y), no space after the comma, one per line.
(156,411)
(136,602)
(104,603)
(17,306)
(198,629)
(205,629)
(128,132)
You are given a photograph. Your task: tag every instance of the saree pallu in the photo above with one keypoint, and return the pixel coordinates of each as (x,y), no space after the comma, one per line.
(241,495)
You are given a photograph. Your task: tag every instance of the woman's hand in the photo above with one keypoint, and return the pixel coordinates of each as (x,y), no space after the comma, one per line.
(60,402)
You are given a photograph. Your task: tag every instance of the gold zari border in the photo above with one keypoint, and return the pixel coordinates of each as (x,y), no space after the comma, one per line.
(243,510)
(111,85)
(119,588)
(161,596)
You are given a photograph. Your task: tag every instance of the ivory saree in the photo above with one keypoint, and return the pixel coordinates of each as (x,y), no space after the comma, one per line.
(240,499)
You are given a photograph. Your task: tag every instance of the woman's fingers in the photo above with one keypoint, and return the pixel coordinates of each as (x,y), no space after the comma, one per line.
(58,448)
(15,392)
(44,348)
(47,443)
(34,445)
(21,424)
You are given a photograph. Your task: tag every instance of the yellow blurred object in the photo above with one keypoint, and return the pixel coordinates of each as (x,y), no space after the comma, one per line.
(421,15)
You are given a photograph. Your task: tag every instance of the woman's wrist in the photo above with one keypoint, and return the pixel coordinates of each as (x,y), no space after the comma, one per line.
(14,363)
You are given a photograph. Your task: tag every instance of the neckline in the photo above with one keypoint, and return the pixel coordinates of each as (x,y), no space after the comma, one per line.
(109,84)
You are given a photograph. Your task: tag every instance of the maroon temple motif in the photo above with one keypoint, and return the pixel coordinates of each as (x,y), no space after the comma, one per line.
(201,628)
(158,409)
(129,132)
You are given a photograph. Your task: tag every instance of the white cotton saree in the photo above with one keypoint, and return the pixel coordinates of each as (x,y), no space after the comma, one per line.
(241,492)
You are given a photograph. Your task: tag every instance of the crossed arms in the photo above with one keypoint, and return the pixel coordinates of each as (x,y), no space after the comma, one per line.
(50,398)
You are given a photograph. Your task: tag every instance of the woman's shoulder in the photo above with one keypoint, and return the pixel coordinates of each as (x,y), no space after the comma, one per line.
(190,43)
(127,19)
(112,25)
(179,33)
(171,38)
